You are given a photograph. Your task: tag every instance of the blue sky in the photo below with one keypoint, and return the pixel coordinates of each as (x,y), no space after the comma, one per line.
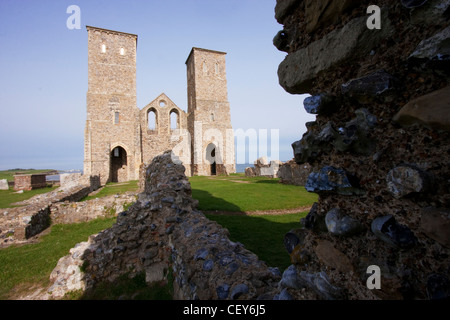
(43,69)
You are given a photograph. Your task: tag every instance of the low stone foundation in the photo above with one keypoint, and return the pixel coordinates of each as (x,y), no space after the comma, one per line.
(21,223)
(164,231)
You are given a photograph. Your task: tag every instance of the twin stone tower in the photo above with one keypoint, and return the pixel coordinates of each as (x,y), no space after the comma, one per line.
(119,137)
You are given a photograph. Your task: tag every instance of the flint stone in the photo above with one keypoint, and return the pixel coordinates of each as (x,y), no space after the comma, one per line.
(387,229)
(435,223)
(431,111)
(407,179)
(239,290)
(281,41)
(319,104)
(413,3)
(283,295)
(332,180)
(314,221)
(299,69)
(320,283)
(291,279)
(340,224)
(364,89)
(293,238)
(223,291)
(438,287)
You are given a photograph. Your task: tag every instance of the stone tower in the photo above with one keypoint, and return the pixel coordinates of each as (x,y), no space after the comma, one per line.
(209,120)
(111,137)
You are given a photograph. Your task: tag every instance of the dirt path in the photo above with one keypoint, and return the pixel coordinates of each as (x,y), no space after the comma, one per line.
(260,213)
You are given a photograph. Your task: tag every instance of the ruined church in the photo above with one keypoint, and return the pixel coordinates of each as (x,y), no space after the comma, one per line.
(120,137)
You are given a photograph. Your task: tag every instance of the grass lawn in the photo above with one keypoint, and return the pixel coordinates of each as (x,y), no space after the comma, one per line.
(263,235)
(7,197)
(32,264)
(114,188)
(237,193)
(9,174)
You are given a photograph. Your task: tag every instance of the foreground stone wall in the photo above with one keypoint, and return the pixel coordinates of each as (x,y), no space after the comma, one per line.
(164,231)
(34,215)
(379,148)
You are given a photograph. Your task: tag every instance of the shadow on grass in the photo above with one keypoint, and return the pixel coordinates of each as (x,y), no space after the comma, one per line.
(208,202)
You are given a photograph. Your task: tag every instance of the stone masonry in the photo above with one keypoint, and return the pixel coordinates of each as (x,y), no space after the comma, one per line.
(165,231)
(379,148)
(119,137)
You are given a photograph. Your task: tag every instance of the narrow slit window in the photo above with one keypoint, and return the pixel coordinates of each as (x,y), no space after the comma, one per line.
(122,51)
(217,68)
(103,48)
(116,117)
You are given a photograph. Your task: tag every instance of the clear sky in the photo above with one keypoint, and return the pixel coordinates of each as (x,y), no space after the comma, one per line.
(43,69)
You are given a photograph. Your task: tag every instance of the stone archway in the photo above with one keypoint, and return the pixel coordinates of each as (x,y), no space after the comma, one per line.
(118,165)
(211,151)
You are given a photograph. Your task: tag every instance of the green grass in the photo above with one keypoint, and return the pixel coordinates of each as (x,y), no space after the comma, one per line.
(263,235)
(32,264)
(127,288)
(9,174)
(7,197)
(237,193)
(114,188)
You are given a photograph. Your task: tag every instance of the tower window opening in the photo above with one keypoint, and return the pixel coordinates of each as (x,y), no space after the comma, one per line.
(116,117)
(103,48)
(122,51)
(217,68)
(116,153)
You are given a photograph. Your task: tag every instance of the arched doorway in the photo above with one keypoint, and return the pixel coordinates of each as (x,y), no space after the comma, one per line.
(211,159)
(119,170)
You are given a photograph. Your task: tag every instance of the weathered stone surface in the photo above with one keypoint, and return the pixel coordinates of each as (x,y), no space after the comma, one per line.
(341,225)
(332,180)
(325,12)
(332,257)
(315,142)
(320,283)
(408,179)
(438,287)
(391,232)
(4,184)
(285,7)
(298,70)
(435,223)
(435,48)
(314,221)
(413,3)
(431,111)
(292,173)
(355,135)
(364,89)
(320,104)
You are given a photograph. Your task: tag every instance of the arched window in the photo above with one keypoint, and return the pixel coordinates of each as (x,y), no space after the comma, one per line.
(152,119)
(174,120)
